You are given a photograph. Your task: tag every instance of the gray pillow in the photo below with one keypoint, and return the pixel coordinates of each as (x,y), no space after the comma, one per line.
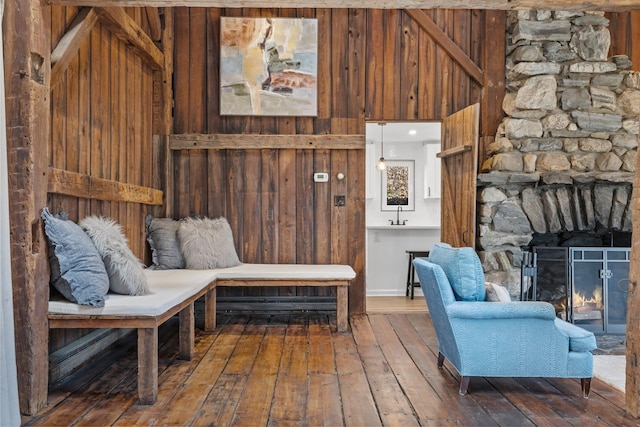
(126,273)
(163,240)
(207,243)
(77,270)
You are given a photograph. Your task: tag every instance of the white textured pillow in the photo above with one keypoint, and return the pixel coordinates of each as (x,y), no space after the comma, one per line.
(497,293)
(207,243)
(126,272)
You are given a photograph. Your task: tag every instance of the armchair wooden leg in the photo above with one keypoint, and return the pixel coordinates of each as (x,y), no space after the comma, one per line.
(440,360)
(586,387)
(464,385)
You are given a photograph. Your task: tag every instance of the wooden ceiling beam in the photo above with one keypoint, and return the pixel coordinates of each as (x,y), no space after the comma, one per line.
(606,5)
(127,30)
(70,42)
(452,49)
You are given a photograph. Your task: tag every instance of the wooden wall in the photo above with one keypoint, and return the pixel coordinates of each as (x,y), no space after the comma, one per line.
(372,65)
(101,115)
(625,29)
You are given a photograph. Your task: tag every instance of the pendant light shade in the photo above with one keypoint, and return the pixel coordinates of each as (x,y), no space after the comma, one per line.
(381,164)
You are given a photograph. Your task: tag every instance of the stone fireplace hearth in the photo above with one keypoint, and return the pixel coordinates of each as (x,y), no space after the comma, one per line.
(561,167)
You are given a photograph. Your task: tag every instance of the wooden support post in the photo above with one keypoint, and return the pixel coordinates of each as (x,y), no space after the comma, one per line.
(148,365)
(210,310)
(632,372)
(27,51)
(187,332)
(342,309)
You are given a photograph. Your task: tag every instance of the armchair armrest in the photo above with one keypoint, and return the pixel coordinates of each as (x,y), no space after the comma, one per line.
(501,310)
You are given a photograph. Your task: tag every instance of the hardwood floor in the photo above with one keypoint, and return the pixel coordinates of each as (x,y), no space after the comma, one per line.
(275,370)
(386,305)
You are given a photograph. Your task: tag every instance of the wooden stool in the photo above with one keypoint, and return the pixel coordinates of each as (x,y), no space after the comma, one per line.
(411,272)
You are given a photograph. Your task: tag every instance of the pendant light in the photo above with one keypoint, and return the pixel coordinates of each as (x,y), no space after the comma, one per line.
(381,165)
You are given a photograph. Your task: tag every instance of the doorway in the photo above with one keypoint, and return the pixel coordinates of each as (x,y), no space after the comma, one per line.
(402,201)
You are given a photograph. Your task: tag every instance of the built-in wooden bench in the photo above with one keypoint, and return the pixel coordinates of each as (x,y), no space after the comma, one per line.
(339,276)
(175,291)
(172,292)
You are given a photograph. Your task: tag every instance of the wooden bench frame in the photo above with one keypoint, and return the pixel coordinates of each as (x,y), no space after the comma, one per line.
(147,326)
(342,296)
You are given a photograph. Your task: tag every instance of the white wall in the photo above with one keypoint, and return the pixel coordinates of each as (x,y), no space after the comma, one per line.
(387,261)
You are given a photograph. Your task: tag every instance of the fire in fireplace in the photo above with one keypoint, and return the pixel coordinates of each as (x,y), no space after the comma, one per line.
(586,285)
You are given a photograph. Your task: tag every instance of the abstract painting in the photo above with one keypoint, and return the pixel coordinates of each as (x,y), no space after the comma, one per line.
(268,66)
(397,185)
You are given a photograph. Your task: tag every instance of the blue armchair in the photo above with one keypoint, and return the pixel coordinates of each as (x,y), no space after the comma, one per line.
(497,339)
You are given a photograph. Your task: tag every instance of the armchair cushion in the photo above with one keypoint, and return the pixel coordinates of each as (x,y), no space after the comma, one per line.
(463,269)
(579,338)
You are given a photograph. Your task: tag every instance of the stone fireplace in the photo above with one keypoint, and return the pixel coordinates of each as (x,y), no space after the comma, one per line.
(560,170)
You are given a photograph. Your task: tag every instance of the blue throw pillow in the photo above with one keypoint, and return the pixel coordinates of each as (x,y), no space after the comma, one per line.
(463,269)
(77,270)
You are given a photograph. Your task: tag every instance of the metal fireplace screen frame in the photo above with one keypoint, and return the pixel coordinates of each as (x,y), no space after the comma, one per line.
(587,286)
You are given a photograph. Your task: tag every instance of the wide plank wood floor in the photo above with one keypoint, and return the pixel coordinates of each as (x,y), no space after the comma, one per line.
(295,370)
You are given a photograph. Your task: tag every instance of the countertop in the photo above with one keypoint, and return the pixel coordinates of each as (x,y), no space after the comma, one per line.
(403,227)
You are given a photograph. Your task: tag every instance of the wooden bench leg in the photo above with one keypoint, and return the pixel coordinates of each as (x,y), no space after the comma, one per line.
(187,332)
(210,310)
(148,365)
(342,312)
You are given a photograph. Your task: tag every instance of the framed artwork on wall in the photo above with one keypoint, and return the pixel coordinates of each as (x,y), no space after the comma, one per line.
(268,66)
(398,185)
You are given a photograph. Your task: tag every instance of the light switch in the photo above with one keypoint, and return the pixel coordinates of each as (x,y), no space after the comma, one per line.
(321,177)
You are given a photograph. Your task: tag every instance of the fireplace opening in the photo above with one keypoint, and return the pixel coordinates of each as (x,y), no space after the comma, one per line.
(587,286)
(604,238)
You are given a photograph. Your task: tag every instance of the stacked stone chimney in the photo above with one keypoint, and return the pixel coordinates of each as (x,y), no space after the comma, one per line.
(561,168)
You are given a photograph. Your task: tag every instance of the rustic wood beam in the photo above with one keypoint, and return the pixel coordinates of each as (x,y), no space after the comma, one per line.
(70,43)
(453,151)
(27,55)
(606,5)
(632,369)
(127,30)
(253,141)
(88,187)
(155,26)
(452,49)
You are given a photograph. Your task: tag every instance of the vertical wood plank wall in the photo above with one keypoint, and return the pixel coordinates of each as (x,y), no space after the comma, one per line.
(625,30)
(372,65)
(101,115)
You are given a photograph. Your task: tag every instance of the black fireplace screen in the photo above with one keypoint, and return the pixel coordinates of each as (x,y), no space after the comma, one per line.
(586,285)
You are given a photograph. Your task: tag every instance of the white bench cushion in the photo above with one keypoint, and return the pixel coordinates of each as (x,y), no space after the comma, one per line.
(168,288)
(171,287)
(286,272)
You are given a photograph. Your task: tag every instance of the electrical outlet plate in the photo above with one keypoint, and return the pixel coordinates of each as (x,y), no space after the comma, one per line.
(320,177)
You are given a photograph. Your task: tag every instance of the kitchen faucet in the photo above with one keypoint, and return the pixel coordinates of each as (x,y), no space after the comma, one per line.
(404,221)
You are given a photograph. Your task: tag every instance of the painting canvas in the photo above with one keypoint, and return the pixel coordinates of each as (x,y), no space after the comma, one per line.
(397,185)
(268,66)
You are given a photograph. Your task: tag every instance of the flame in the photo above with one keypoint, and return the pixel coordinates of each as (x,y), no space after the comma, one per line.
(580,299)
